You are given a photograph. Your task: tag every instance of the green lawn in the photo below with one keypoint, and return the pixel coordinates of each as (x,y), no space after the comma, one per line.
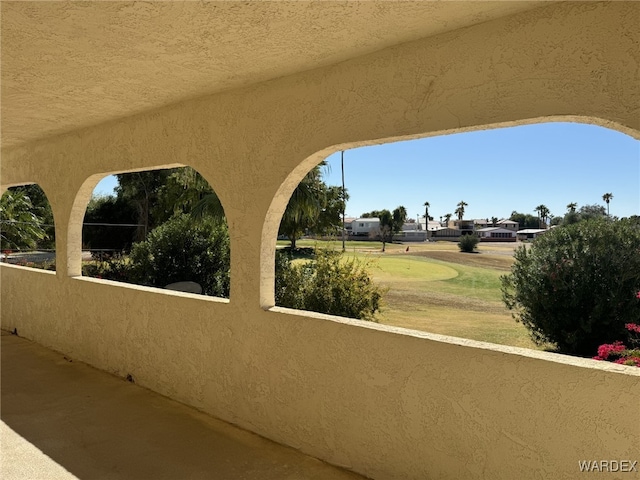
(435,288)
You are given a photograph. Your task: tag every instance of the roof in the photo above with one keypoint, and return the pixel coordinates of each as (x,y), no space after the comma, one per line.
(493,229)
(532,230)
(504,221)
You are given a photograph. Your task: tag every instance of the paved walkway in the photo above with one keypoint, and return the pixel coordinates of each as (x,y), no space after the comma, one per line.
(66,420)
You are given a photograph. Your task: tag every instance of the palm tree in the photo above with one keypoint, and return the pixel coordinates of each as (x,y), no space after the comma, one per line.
(21,226)
(447,218)
(460,210)
(572,207)
(543,214)
(426,217)
(607,198)
(304,205)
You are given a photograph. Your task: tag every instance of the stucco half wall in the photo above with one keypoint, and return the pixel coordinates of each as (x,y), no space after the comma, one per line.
(384,402)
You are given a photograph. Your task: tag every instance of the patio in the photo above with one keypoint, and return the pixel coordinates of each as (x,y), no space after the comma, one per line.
(62,419)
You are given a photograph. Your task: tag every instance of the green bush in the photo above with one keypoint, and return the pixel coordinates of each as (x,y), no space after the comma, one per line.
(576,285)
(183,249)
(117,268)
(468,243)
(327,284)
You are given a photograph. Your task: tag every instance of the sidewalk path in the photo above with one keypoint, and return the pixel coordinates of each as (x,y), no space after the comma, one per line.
(67,420)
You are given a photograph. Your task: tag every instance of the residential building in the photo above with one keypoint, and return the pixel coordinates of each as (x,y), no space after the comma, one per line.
(496,234)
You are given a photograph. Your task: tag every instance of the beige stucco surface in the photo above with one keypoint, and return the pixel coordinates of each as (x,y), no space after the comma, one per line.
(63,420)
(384,402)
(59,57)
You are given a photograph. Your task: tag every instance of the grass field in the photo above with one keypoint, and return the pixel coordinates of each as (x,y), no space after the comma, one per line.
(435,288)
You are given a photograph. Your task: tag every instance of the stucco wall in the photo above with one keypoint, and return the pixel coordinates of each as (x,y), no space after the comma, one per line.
(385,402)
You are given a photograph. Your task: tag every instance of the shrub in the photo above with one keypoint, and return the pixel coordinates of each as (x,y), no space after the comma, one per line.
(183,249)
(575,286)
(327,284)
(621,353)
(116,267)
(468,243)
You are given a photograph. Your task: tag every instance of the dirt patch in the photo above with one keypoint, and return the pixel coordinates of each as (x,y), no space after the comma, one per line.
(484,260)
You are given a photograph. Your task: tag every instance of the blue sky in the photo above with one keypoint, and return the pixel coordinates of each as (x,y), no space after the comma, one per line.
(494,171)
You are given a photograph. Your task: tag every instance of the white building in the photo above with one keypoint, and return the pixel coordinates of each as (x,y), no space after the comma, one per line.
(496,234)
(364,226)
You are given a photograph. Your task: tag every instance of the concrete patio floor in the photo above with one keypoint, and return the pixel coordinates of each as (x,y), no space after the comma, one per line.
(63,419)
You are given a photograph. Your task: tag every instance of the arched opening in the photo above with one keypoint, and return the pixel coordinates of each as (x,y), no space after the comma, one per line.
(28,231)
(503,186)
(162,228)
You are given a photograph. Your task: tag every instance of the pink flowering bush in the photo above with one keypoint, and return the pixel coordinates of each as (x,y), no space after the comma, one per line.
(620,353)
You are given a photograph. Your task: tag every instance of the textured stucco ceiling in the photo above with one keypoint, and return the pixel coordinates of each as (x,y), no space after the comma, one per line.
(66,65)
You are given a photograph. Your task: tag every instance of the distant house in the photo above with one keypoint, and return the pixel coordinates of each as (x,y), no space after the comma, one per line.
(504,223)
(364,226)
(445,233)
(410,226)
(496,234)
(509,224)
(432,225)
(465,226)
(530,233)
(479,223)
(348,224)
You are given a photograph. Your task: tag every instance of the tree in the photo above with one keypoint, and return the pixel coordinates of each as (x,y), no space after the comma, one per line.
(576,285)
(543,214)
(313,206)
(556,221)
(385,229)
(494,221)
(186,191)
(447,218)
(525,220)
(460,210)
(103,224)
(607,197)
(570,218)
(304,206)
(588,212)
(329,220)
(572,207)
(141,190)
(426,217)
(22,223)
(390,224)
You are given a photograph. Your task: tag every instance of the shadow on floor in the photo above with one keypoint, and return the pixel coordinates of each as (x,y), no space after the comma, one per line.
(66,420)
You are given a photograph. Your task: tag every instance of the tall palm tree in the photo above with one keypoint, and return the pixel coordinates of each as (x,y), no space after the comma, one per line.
(543,214)
(426,217)
(572,207)
(460,210)
(607,198)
